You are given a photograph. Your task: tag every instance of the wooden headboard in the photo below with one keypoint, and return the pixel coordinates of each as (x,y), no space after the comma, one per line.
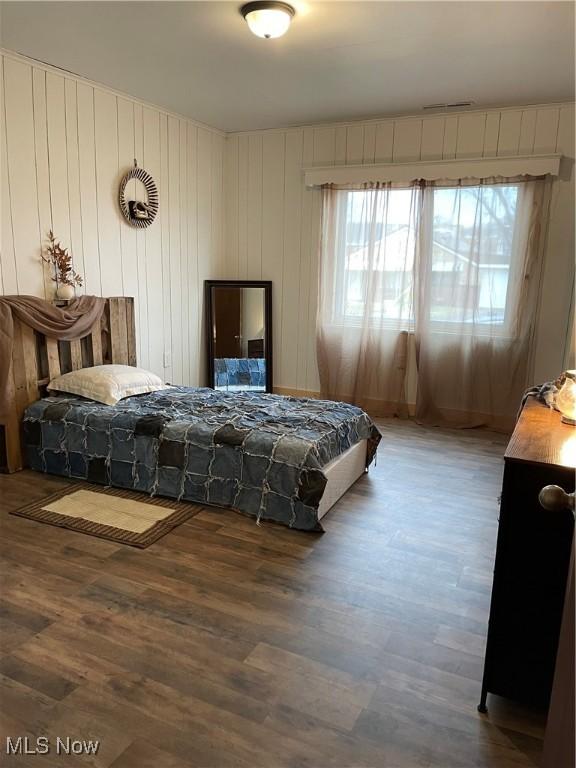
(36,359)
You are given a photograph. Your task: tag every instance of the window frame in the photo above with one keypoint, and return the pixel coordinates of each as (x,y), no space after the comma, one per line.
(426,193)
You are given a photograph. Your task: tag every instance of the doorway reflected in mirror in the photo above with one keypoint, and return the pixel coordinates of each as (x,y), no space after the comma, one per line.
(239,335)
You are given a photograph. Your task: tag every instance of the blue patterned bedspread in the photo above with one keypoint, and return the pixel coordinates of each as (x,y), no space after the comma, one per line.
(258,453)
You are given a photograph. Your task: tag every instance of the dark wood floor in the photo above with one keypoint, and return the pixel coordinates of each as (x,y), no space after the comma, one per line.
(227,644)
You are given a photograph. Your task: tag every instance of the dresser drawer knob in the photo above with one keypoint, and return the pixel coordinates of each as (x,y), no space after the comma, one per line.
(555,499)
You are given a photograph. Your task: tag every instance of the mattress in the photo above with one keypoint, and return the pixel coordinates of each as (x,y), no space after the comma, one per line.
(259,453)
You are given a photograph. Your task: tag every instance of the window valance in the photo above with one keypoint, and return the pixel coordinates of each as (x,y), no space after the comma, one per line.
(434,170)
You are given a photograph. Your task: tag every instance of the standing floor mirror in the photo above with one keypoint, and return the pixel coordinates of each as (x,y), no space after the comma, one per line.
(239,335)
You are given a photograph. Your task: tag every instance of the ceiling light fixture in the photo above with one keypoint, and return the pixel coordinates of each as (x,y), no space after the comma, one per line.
(267,18)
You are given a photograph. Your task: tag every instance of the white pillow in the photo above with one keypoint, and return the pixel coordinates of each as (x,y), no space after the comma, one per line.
(108,383)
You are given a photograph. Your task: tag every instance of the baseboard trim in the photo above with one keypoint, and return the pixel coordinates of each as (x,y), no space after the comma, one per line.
(289,392)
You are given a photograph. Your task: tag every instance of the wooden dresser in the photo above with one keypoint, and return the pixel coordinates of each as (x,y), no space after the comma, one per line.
(532,560)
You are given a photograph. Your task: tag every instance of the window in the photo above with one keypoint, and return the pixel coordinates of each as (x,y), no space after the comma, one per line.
(376,254)
(460,239)
(471,248)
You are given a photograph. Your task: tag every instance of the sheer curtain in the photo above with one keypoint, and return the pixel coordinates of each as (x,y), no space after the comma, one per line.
(476,297)
(366,294)
(450,269)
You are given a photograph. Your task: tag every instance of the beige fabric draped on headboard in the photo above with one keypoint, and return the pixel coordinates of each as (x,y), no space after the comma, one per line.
(72,322)
(39,340)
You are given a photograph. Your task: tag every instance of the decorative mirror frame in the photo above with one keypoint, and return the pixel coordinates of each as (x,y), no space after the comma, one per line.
(151,194)
(268,345)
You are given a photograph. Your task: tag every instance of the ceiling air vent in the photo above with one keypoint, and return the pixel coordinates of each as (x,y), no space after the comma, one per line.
(452,105)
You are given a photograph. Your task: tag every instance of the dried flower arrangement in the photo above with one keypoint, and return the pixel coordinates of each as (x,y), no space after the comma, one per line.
(61,261)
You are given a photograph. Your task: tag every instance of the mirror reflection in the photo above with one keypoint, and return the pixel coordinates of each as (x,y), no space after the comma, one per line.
(238,326)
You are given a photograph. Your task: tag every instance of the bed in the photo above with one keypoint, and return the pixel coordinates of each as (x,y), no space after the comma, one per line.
(261,454)
(275,458)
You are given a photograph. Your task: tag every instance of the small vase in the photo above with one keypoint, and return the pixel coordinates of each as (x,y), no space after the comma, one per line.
(65,292)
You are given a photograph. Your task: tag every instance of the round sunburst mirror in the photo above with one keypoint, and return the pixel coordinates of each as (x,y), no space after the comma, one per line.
(139,213)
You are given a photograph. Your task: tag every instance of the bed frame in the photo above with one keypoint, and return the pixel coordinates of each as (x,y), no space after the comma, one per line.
(36,359)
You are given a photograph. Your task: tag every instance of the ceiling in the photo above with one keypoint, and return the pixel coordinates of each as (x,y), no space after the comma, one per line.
(338,61)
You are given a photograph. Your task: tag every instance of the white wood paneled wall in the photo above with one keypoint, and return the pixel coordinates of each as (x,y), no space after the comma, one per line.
(64,145)
(65,142)
(272,220)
